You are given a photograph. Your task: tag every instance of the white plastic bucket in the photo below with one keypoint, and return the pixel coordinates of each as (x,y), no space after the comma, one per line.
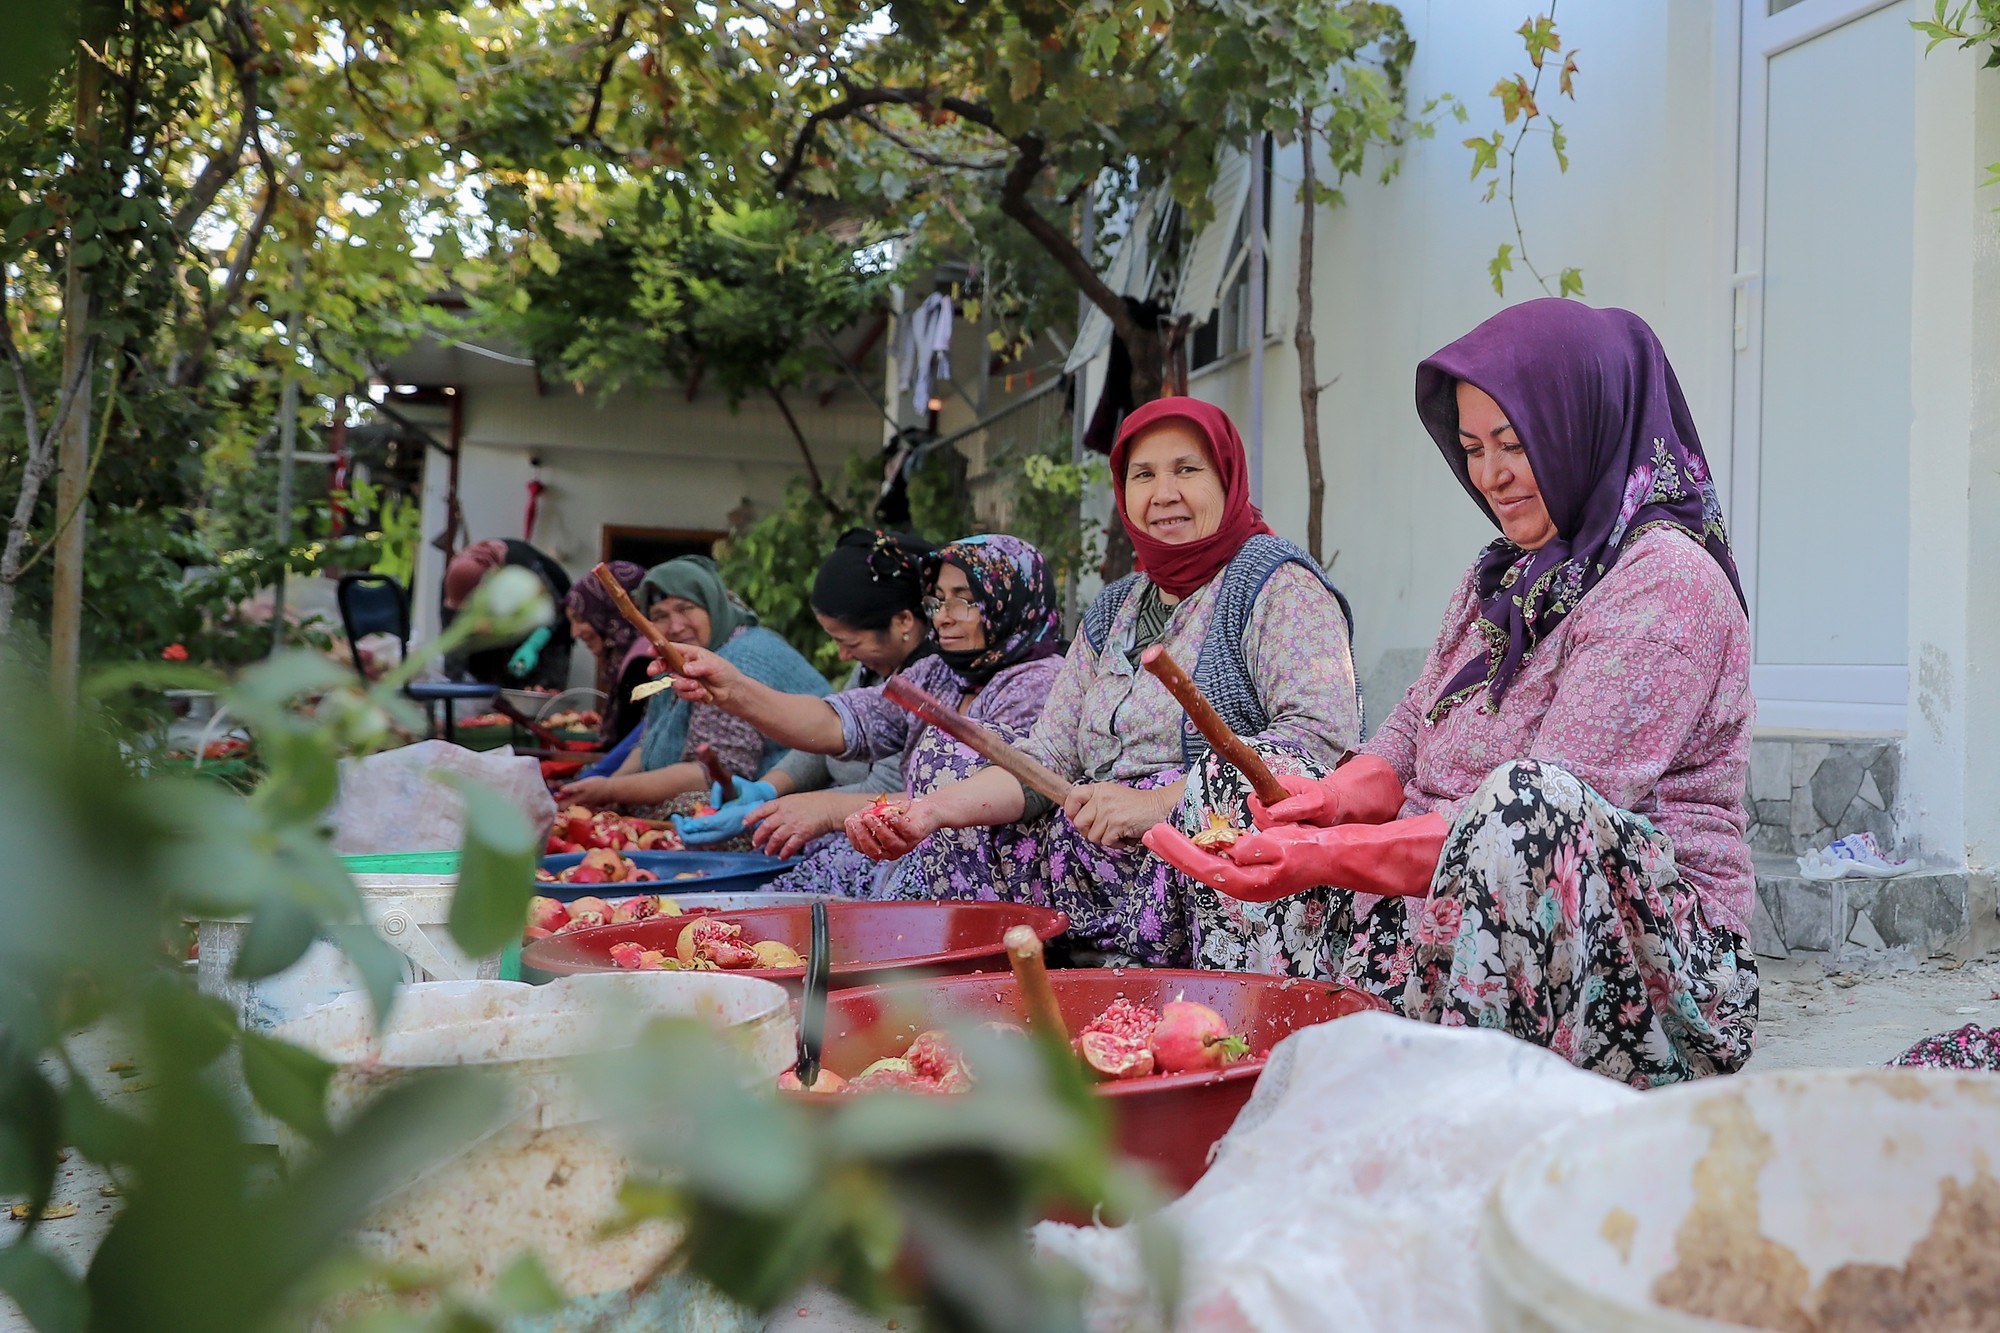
(409,911)
(548,1180)
(1838,1166)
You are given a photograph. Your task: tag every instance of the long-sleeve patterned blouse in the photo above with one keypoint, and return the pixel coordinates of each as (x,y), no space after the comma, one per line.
(875,728)
(1643,691)
(1107,720)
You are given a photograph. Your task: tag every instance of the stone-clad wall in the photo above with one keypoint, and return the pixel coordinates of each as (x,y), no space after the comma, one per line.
(1807,790)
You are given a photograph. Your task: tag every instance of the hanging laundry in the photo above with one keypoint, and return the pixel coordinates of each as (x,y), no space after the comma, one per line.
(923,349)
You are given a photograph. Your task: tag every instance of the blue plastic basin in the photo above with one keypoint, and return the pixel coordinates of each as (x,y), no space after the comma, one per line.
(721,872)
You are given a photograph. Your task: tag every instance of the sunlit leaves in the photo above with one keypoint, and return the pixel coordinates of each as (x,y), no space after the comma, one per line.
(1496,157)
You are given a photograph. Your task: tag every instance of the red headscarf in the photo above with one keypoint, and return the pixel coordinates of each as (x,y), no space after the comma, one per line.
(1180,568)
(469,568)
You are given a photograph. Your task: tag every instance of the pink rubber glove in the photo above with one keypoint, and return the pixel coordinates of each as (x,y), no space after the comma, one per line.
(1363,790)
(1393,860)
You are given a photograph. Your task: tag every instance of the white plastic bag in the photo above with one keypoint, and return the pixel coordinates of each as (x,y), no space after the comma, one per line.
(1348,1194)
(397,801)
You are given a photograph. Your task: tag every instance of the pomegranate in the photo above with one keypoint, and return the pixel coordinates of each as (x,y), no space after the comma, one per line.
(584,875)
(627,954)
(589,911)
(934,1058)
(1116,1044)
(1192,1036)
(547,913)
(891,1072)
(561,847)
(641,876)
(828,1081)
(615,868)
(717,942)
(776,953)
(628,910)
(533,933)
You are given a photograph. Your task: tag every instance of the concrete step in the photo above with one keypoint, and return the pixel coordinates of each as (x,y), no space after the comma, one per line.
(1926,913)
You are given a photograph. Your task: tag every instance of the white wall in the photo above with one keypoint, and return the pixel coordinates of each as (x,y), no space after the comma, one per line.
(1401,270)
(1951,777)
(654,461)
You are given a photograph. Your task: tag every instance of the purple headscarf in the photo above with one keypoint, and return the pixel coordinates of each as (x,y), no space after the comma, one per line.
(589,602)
(1613,448)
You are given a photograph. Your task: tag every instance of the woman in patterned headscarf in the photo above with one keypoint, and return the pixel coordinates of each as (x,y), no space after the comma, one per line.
(596,622)
(1265,636)
(1592,892)
(998,646)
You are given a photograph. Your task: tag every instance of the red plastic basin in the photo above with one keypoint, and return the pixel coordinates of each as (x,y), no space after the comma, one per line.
(1169,1120)
(870,941)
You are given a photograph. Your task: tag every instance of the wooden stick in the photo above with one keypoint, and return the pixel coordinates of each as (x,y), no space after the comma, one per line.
(1210,724)
(1031,974)
(1030,771)
(712,765)
(662,645)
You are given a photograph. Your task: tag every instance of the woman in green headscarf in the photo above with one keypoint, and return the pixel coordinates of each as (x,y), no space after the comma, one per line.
(686,599)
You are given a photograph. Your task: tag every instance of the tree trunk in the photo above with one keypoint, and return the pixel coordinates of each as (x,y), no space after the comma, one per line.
(813,479)
(73,457)
(1308,349)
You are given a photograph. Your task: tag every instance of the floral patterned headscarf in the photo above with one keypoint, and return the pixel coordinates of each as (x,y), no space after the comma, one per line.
(1017,600)
(589,602)
(1613,448)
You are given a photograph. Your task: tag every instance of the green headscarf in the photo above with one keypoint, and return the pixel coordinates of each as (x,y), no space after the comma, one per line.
(695,578)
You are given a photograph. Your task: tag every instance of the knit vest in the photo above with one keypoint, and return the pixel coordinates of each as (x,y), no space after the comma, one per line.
(1222,672)
(758,653)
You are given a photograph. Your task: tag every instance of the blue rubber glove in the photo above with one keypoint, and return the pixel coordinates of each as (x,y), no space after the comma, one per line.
(730,815)
(530,652)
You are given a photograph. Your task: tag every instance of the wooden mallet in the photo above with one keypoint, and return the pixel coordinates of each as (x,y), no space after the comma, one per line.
(663,647)
(1210,724)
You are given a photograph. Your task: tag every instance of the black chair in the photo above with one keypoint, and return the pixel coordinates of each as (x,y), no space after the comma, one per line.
(377,604)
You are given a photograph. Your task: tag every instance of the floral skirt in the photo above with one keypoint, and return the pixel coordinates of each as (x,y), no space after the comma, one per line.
(1560,918)
(833,865)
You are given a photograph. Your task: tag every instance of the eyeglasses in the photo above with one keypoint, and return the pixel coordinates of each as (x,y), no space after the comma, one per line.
(959,606)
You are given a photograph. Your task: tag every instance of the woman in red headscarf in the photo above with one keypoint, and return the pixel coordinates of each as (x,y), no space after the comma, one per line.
(1265,635)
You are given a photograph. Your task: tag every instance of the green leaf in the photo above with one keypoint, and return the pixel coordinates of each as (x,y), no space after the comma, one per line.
(1501,263)
(88,254)
(496,874)
(411,1127)
(382,968)
(279,935)
(30,1129)
(288,1082)
(52,1300)
(95,1129)
(526,1288)
(1570,283)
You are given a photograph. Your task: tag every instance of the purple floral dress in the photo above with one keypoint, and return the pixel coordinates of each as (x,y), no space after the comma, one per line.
(875,728)
(1107,721)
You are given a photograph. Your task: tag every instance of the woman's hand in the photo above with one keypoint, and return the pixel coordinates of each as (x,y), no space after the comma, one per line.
(783,827)
(1114,815)
(705,677)
(594,792)
(892,830)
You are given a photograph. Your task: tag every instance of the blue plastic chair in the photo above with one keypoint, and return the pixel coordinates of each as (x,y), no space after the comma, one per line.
(378,604)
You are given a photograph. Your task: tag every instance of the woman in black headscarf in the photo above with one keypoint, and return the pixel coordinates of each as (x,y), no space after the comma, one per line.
(999,645)
(868,597)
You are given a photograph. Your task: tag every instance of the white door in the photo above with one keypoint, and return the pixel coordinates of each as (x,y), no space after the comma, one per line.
(1820,508)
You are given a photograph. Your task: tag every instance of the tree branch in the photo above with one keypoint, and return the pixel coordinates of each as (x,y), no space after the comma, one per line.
(588,134)
(855,102)
(921,153)
(813,479)
(1014,202)
(188,361)
(221,168)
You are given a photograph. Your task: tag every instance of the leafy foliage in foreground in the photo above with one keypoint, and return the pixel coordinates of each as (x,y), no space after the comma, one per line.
(894,1201)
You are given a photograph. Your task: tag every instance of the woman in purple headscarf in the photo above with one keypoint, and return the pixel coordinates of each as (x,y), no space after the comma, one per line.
(1547,835)
(596,622)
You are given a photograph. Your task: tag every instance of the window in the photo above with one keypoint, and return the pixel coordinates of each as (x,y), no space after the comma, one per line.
(1226,331)
(647,547)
